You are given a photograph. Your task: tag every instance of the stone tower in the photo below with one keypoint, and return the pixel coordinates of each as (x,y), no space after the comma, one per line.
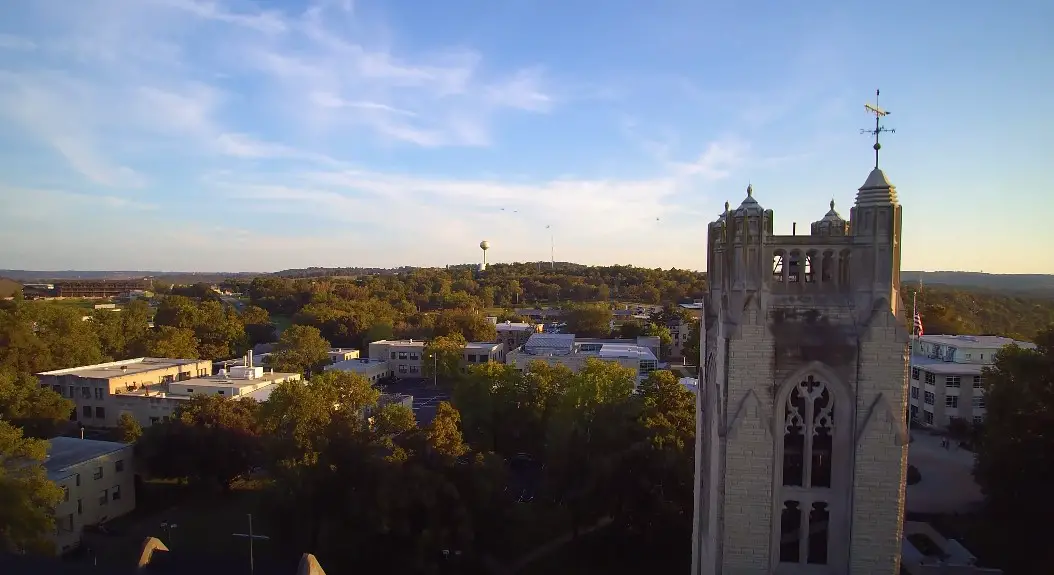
(802,447)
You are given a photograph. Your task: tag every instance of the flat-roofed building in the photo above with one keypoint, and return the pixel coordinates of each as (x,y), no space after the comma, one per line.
(374,370)
(482,352)
(150,406)
(337,354)
(946,381)
(515,334)
(98,288)
(98,484)
(564,349)
(93,387)
(403,356)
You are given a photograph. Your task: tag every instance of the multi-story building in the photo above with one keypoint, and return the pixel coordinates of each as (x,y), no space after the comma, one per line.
(565,349)
(515,334)
(801,443)
(374,370)
(93,387)
(946,380)
(150,406)
(403,356)
(483,352)
(98,484)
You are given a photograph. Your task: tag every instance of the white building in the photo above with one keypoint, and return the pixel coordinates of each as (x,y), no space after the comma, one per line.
(565,349)
(515,334)
(149,406)
(483,352)
(374,370)
(98,484)
(946,379)
(337,354)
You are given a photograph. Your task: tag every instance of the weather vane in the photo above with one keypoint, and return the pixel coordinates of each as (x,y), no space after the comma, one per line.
(879,128)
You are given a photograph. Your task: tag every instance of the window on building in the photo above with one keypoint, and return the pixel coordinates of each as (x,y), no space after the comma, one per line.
(977,382)
(951,401)
(86,393)
(977,401)
(414,369)
(393,355)
(414,356)
(116,492)
(118,466)
(929,398)
(98,473)
(219,392)
(80,506)
(915,373)
(65,493)
(807,472)
(930,378)
(86,411)
(471,358)
(914,413)
(154,420)
(190,390)
(927,417)
(98,393)
(402,369)
(78,480)
(104,497)
(978,420)
(968,356)
(402,355)
(57,389)
(952,381)
(914,393)
(100,412)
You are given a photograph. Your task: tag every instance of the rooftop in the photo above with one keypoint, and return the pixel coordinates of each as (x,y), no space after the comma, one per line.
(481,345)
(67,452)
(123,367)
(941,367)
(514,326)
(975,341)
(402,342)
(357,365)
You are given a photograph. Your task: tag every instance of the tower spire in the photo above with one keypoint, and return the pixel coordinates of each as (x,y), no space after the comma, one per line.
(879,113)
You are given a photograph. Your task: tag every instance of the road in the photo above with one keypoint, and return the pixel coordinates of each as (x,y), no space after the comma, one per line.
(426,396)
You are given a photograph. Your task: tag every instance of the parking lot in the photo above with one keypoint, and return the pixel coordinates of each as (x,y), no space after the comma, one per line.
(426,396)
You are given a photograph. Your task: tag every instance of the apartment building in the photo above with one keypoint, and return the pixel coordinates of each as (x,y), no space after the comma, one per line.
(337,354)
(403,356)
(94,387)
(946,380)
(565,349)
(150,406)
(374,370)
(515,334)
(98,484)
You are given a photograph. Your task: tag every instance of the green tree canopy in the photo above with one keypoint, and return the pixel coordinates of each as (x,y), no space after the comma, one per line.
(23,402)
(27,497)
(300,349)
(589,320)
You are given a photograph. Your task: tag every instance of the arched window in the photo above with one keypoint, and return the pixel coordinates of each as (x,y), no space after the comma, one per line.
(813,472)
(794,267)
(778,261)
(811,262)
(827,270)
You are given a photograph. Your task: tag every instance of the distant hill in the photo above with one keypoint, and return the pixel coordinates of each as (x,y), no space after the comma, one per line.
(1032,284)
(30,276)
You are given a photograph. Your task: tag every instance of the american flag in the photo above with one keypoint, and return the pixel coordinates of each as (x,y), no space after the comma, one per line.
(918,324)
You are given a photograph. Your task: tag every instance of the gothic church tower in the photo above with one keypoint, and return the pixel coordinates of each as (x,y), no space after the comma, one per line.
(801,446)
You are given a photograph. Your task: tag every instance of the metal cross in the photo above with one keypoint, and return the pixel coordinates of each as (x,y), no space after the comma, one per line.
(251,537)
(879,128)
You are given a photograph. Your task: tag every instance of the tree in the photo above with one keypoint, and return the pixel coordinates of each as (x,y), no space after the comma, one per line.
(39,411)
(444,433)
(630,329)
(128,428)
(1015,458)
(174,342)
(442,357)
(691,347)
(469,325)
(258,326)
(300,349)
(29,498)
(589,321)
(664,335)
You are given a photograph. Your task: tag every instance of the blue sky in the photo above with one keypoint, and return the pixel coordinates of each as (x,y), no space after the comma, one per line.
(237,135)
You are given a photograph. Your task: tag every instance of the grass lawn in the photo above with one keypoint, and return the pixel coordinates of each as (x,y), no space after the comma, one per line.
(281,322)
(204,524)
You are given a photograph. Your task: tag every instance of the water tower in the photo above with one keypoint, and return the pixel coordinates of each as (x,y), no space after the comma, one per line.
(484,245)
